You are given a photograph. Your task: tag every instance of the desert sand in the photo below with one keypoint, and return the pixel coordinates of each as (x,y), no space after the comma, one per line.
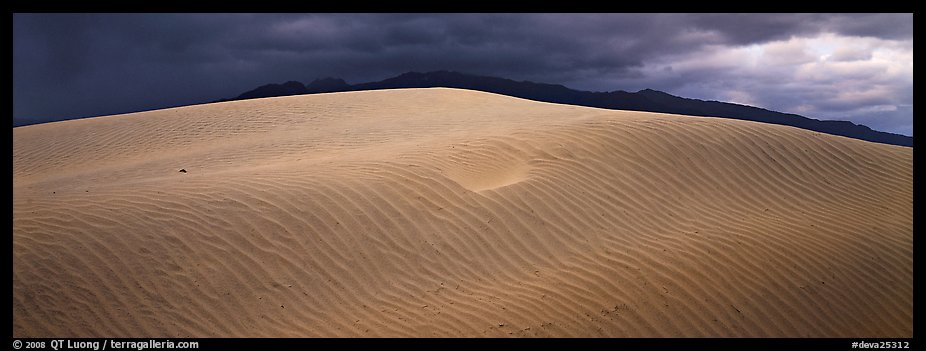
(454,213)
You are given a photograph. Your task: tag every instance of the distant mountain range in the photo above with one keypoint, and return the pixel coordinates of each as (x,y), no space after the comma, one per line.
(643,100)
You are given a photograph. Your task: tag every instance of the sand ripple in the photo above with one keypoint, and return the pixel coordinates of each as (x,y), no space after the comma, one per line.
(446,212)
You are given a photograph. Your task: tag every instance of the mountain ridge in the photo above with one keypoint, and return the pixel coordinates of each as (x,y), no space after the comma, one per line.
(648,100)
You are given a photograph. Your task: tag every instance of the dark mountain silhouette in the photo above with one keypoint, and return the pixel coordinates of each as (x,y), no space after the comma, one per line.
(643,100)
(321,85)
(327,85)
(270,90)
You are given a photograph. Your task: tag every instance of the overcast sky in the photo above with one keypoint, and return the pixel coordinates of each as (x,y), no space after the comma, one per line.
(856,67)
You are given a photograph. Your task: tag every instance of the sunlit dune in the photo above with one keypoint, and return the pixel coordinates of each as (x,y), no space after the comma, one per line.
(454,213)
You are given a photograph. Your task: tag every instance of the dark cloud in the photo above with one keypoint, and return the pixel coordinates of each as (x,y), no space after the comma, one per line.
(884,26)
(95,64)
(744,29)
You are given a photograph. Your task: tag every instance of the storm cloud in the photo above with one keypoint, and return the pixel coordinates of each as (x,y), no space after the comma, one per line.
(856,67)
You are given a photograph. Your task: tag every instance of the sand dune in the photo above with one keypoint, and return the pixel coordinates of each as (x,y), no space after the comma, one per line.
(445,212)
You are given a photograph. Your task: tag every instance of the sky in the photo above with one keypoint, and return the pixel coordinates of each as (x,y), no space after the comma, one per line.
(856,67)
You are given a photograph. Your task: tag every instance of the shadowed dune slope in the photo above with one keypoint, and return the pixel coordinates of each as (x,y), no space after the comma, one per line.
(447,212)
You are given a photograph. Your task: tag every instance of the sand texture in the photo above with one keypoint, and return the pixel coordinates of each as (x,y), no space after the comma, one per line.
(447,212)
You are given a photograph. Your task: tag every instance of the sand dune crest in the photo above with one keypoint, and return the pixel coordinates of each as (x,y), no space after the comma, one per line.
(446,212)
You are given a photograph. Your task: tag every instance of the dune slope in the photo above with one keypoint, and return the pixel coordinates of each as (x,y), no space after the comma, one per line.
(446,212)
